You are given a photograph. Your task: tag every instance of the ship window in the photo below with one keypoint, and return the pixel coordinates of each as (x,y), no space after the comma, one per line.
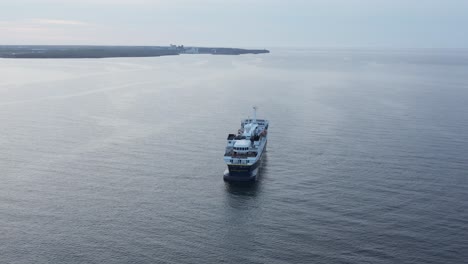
(231,160)
(247,161)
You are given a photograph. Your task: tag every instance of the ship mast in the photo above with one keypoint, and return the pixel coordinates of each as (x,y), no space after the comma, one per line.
(254,120)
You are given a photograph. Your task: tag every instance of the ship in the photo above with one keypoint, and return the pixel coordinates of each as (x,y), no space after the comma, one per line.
(245,150)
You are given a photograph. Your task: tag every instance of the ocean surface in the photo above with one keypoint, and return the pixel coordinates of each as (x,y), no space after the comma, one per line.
(121,160)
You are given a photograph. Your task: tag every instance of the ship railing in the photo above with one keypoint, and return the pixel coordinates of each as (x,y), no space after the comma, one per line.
(240,156)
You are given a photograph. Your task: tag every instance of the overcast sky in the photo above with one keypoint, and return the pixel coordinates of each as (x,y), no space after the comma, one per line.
(239,23)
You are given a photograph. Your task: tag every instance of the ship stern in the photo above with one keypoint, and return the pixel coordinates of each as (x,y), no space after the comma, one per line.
(241,173)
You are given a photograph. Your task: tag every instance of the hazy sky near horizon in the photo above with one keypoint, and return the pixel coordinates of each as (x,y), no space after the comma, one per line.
(239,23)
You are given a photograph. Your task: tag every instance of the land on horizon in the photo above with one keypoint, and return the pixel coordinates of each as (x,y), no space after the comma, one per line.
(84,51)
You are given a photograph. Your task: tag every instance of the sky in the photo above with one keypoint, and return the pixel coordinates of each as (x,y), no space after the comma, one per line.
(237,23)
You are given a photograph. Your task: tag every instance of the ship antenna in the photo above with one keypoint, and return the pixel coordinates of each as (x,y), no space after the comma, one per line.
(254,114)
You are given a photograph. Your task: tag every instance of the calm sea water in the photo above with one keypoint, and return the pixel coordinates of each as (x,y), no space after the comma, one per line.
(120,160)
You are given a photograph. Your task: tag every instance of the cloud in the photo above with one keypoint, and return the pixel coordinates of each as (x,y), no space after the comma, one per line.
(40,22)
(59,22)
(44,31)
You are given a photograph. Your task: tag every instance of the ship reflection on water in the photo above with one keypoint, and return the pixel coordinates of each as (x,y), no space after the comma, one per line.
(242,188)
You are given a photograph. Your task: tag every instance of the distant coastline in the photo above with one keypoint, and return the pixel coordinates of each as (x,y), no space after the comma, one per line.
(76,52)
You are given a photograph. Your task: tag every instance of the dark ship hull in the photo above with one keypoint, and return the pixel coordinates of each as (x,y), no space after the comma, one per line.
(243,172)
